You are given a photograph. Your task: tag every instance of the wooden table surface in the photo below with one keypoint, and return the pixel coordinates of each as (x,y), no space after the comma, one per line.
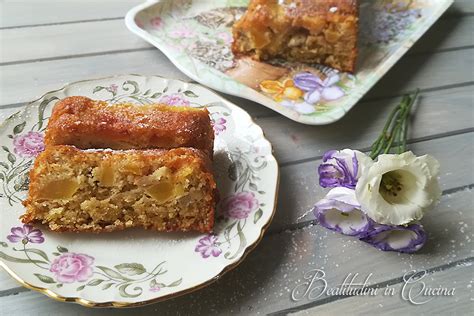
(45,44)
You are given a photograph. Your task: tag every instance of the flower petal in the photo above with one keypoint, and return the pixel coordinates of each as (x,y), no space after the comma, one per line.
(287,104)
(14,238)
(304,108)
(419,189)
(332,93)
(332,79)
(397,238)
(312,97)
(339,211)
(306,81)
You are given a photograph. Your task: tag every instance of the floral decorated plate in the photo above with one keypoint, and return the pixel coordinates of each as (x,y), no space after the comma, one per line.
(136,267)
(196,37)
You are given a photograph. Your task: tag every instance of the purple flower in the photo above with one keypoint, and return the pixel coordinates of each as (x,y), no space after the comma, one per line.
(339,211)
(306,81)
(407,239)
(174,99)
(26,234)
(71,267)
(317,89)
(240,205)
(29,145)
(208,246)
(342,168)
(155,288)
(219,125)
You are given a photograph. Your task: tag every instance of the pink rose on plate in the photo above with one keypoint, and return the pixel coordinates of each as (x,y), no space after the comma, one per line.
(174,99)
(240,205)
(71,267)
(29,145)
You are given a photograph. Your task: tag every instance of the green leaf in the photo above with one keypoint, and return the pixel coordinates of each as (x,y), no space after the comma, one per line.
(38,252)
(94,282)
(132,83)
(3,244)
(156,95)
(147,92)
(10,136)
(59,285)
(80,288)
(4,165)
(62,249)
(190,94)
(175,283)
(19,128)
(165,89)
(112,273)
(253,186)
(106,286)
(6,149)
(258,214)
(44,278)
(56,253)
(123,291)
(131,268)
(97,89)
(261,192)
(19,260)
(41,109)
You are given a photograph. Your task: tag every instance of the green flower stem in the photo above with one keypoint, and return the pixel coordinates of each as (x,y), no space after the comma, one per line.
(29,258)
(395,129)
(108,277)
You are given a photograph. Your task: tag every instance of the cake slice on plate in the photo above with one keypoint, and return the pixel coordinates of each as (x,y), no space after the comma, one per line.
(87,123)
(311,31)
(105,190)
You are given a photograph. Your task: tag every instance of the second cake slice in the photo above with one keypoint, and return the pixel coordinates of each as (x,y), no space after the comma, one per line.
(87,123)
(105,190)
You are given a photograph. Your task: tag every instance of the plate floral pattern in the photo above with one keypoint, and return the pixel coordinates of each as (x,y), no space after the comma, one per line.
(196,36)
(113,269)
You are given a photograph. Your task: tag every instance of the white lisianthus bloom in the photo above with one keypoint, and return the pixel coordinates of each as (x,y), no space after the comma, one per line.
(398,189)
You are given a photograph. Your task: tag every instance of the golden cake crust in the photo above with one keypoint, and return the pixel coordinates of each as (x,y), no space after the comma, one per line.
(300,30)
(118,208)
(87,123)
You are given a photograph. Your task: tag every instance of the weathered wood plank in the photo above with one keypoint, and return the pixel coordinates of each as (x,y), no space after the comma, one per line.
(437,112)
(456,278)
(33,12)
(21,84)
(425,72)
(448,33)
(35,43)
(462,7)
(264,281)
(106,36)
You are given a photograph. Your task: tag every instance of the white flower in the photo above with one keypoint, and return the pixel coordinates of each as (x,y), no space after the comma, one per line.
(398,189)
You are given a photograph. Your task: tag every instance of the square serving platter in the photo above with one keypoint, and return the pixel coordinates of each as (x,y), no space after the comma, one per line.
(196,36)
